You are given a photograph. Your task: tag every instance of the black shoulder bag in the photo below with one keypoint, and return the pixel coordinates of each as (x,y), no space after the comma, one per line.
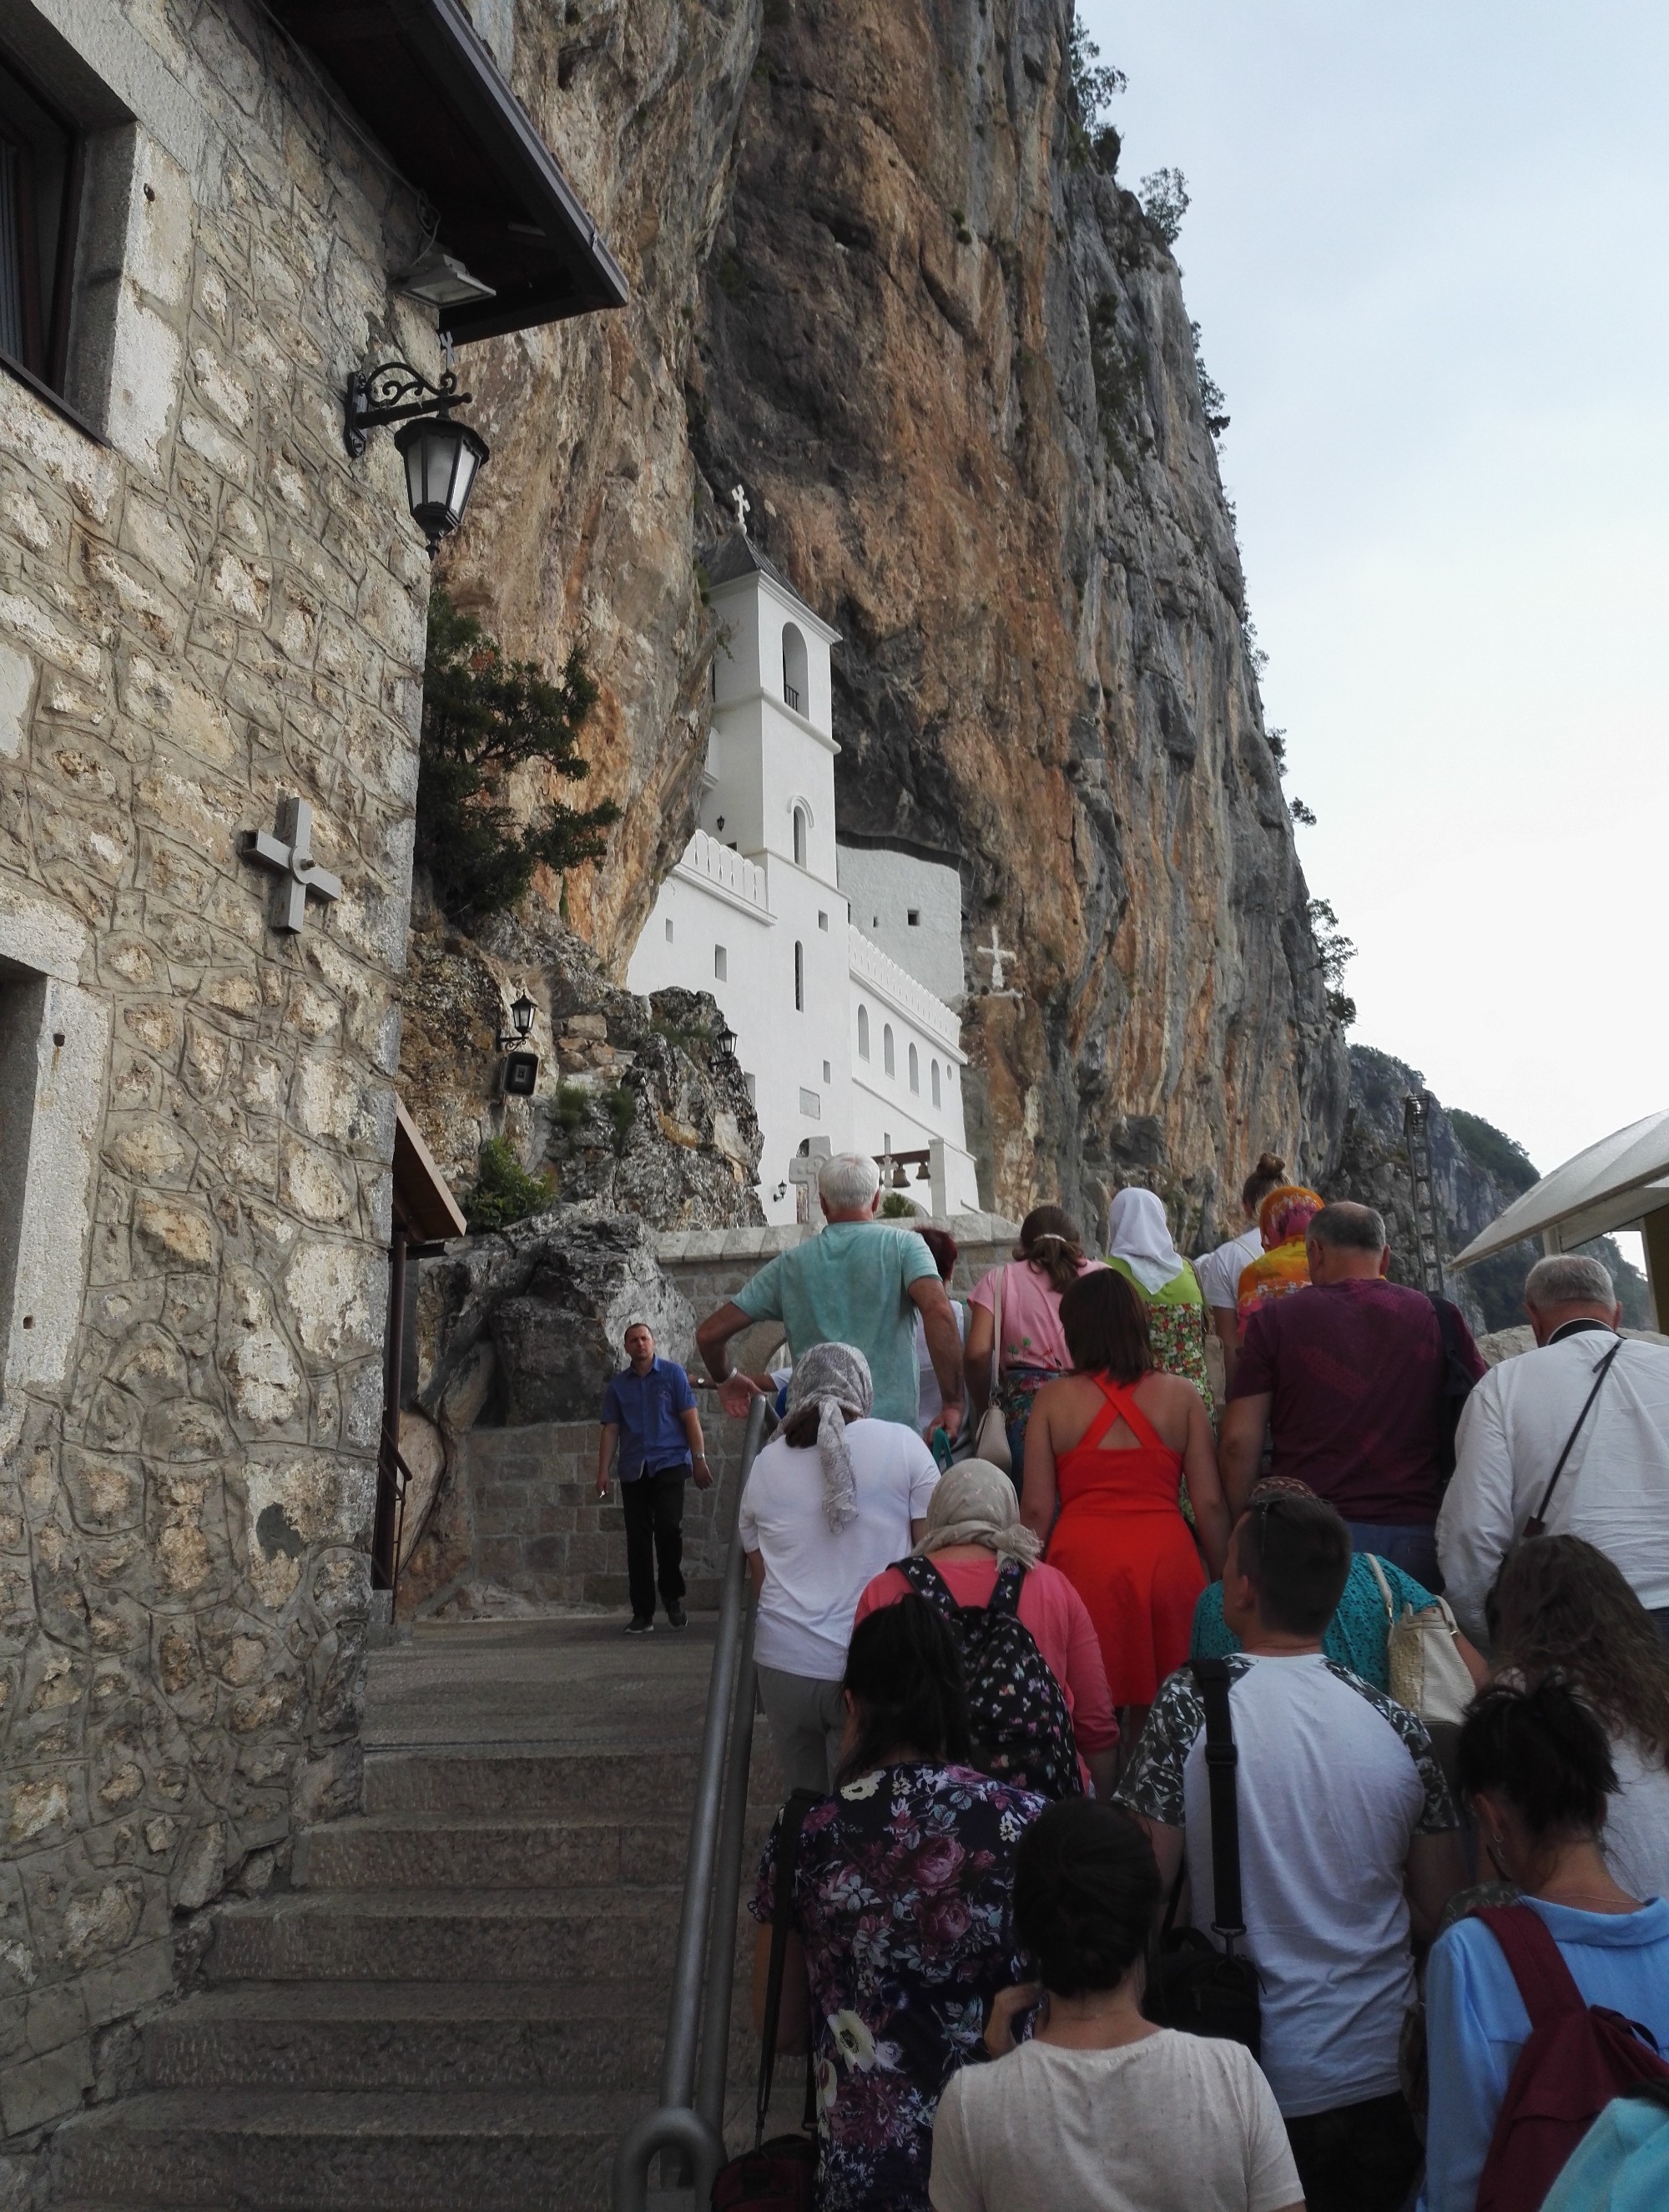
(1537,1524)
(1458,1382)
(777,2176)
(1192,1985)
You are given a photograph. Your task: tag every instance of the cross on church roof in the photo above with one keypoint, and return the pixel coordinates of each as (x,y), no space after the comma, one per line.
(743,507)
(289,856)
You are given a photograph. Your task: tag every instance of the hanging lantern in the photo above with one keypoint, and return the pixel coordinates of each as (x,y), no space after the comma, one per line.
(442,456)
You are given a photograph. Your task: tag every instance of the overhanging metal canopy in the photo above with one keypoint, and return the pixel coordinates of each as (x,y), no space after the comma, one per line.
(1611,1184)
(418,75)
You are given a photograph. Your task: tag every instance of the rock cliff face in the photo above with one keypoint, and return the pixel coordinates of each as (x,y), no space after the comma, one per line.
(879,279)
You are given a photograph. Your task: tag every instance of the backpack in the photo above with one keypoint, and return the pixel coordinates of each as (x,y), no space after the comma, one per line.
(1578,2057)
(1459,1384)
(1022,1726)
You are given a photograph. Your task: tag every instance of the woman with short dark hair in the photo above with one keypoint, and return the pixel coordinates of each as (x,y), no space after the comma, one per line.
(1107,1447)
(1536,1771)
(902,1919)
(1101,2111)
(1048,1259)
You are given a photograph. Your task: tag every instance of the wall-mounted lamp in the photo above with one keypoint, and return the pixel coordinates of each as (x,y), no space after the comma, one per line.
(522,1011)
(725,1038)
(442,456)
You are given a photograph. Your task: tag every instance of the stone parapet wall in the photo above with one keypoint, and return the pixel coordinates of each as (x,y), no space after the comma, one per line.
(539,1532)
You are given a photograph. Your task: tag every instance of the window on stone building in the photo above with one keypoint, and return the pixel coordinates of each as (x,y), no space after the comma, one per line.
(720,964)
(22,1006)
(913,915)
(669,929)
(799,836)
(862,1033)
(810,1105)
(822,921)
(828,1076)
(932,1070)
(799,978)
(886,1048)
(915,1070)
(793,668)
(39,185)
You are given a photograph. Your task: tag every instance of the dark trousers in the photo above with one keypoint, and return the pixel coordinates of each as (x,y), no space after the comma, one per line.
(653,1505)
(1356,2158)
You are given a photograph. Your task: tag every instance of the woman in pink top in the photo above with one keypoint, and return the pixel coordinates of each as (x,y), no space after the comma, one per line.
(1047,1261)
(973,1525)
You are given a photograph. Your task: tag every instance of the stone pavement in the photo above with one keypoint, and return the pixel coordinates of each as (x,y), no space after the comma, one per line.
(464,1991)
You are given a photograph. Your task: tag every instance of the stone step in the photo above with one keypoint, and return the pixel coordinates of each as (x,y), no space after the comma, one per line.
(438,1850)
(445,1934)
(433,2036)
(305,2152)
(646,1780)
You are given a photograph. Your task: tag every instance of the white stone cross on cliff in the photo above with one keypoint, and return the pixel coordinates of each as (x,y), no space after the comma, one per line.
(743,507)
(289,856)
(996,954)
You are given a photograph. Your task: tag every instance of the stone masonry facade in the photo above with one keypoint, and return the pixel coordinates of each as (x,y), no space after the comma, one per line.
(203,607)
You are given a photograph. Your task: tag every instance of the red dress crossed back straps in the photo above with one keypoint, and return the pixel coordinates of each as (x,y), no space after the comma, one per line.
(1122,1544)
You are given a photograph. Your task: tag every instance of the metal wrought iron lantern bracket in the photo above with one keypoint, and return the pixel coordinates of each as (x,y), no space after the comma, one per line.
(394,391)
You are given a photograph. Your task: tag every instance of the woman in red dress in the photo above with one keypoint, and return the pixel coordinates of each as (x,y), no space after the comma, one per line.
(1104,1449)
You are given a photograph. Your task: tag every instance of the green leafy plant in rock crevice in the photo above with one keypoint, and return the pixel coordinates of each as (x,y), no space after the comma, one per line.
(504,1191)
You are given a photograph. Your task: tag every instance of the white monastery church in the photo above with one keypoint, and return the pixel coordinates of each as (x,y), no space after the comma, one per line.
(845,1045)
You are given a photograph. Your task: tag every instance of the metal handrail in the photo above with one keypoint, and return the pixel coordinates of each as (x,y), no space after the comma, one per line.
(689,2119)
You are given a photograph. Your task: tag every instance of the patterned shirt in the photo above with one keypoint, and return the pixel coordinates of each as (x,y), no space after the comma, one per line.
(1333,1782)
(901,1892)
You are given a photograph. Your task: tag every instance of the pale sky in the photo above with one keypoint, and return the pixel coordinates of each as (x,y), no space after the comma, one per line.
(1427,249)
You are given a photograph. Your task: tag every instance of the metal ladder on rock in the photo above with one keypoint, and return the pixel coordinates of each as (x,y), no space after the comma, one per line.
(1428,1227)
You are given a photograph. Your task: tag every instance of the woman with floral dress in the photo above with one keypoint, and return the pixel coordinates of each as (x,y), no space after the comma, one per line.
(900,1925)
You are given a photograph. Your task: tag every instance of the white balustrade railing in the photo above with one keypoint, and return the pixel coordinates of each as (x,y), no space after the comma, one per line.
(870,965)
(704,857)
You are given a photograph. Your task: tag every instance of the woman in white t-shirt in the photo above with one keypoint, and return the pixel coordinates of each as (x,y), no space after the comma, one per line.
(1560,1607)
(1101,2111)
(832,1499)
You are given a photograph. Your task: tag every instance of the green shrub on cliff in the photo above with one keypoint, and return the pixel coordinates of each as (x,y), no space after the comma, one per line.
(483,716)
(504,1191)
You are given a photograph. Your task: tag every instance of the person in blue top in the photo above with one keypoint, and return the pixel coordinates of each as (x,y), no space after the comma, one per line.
(1536,1769)
(1357,1635)
(649,1410)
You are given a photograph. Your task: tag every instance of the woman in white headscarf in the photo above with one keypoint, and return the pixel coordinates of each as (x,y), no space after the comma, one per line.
(832,1499)
(973,1527)
(1138,1244)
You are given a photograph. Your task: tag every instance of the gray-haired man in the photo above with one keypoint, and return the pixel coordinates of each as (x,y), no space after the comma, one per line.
(860,1283)
(1613,1488)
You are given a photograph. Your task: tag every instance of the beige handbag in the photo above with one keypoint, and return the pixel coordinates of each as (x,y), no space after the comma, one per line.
(1428,1673)
(991,1439)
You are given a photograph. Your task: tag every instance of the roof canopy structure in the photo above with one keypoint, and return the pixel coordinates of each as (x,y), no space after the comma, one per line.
(1618,1181)
(420,75)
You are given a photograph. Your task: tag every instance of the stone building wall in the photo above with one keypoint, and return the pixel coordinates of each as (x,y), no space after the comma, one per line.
(207,607)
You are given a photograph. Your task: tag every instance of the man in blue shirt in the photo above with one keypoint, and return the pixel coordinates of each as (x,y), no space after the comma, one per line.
(649,1411)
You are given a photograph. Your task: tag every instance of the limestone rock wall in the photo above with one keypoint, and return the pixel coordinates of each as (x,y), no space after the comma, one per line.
(211,608)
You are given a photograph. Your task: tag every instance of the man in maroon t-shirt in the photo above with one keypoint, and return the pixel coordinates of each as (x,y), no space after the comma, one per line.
(1349,1378)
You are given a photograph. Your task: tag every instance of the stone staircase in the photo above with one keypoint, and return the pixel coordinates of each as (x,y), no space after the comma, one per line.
(463,1996)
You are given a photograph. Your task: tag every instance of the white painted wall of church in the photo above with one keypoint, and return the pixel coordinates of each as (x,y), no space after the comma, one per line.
(884,889)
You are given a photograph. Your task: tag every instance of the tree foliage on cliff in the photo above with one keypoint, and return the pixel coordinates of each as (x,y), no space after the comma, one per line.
(1494,1151)
(483,716)
(1337,953)
(1094,85)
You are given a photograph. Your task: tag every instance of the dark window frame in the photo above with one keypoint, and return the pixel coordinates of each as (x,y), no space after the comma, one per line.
(48,372)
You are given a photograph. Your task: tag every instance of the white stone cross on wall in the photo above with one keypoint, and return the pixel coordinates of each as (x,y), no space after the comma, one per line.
(743,507)
(803,1172)
(289,856)
(996,954)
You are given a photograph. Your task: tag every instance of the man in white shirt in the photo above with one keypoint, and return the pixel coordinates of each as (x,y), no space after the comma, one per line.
(1613,1489)
(1347,1838)
(1218,1273)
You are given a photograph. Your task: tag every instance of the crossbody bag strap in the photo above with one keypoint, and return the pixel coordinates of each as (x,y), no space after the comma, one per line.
(1222,1757)
(1384,1588)
(782,1917)
(997,1330)
(1538,1521)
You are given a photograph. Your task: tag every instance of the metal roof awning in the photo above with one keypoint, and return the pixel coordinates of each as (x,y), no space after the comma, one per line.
(1609,1185)
(419,75)
(423,1204)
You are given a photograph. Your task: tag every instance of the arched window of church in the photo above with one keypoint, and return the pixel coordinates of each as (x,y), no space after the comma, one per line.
(799,836)
(799,978)
(915,1070)
(932,1070)
(886,1048)
(793,668)
(862,1033)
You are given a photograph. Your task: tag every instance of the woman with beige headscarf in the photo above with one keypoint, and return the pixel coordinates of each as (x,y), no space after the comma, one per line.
(973,1527)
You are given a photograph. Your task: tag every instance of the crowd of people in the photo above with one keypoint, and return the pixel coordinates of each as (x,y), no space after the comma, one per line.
(1248,1802)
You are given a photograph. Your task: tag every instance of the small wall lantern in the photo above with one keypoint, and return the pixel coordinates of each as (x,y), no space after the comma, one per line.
(522,1011)
(521,1069)
(725,1038)
(442,457)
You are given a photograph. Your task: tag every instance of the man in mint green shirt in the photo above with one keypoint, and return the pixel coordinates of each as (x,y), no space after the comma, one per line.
(862,1282)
